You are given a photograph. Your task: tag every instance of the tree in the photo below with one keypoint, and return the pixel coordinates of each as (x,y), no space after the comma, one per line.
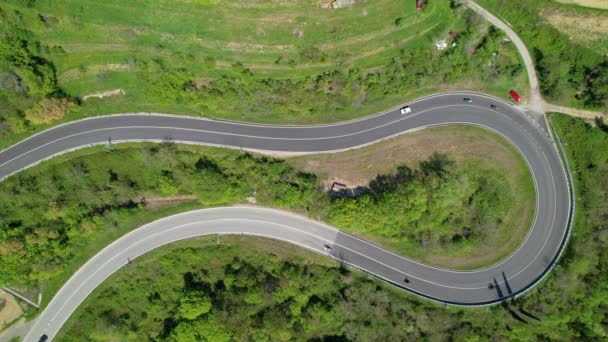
(193,304)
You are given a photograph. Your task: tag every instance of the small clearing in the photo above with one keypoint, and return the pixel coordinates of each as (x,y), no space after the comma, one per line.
(9,309)
(579,27)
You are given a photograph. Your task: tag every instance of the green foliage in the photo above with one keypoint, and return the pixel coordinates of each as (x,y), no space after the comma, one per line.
(20,53)
(568,72)
(170,67)
(45,216)
(427,206)
(312,54)
(26,76)
(192,304)
(192,281)
(336,90)
(303,300)
(48,214)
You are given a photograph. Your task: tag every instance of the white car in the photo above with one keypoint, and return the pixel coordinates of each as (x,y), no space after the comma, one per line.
(406,109)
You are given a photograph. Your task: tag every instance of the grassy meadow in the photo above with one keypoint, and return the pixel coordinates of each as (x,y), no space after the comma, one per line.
(267,61)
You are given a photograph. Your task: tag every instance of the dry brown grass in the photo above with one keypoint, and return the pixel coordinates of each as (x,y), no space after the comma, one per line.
(359,166)
(9,310)
(587,3)
(579,27)
(48,110)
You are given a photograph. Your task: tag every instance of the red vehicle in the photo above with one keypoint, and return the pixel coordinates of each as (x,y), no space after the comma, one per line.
(515,96)
(419,4)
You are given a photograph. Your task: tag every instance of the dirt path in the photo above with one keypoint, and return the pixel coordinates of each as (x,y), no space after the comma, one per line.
(536,100)
(581,113)
(536,104)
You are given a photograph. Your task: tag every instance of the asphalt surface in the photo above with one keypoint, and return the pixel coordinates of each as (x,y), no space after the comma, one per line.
(524,268)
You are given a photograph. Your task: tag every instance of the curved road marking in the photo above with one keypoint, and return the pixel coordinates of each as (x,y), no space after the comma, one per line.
(516,274)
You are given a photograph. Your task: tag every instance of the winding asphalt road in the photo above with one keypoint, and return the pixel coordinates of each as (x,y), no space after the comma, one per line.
(512,276)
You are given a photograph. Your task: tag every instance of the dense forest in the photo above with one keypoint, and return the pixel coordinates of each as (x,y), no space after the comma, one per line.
(253,290)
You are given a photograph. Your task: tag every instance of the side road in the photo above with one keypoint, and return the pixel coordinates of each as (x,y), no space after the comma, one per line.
(536,105)
(581,113)
(536,100)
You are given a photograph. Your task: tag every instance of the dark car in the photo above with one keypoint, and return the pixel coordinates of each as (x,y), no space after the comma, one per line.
(43,338)
(466,99)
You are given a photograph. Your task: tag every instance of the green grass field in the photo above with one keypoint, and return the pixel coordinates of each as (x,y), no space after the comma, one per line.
(267,61)
(256,34)
(97,37)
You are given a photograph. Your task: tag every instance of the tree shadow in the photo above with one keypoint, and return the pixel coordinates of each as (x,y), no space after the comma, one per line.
(505,304)
(513,302)
(599,122)
(437,165)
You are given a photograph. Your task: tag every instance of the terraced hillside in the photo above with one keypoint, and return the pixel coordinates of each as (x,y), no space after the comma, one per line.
(270,61)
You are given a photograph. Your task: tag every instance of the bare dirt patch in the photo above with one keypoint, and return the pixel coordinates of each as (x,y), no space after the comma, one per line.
(49,21)
(9,309)
(249,47)
(102,94)
(161,202)
(587,3)
(202,82)
(357,167)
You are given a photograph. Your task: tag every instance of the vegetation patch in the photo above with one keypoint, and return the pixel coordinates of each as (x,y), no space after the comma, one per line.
(588,29)
(265,290)
(54,216)
(47,110)
(479,152)
(571,72)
